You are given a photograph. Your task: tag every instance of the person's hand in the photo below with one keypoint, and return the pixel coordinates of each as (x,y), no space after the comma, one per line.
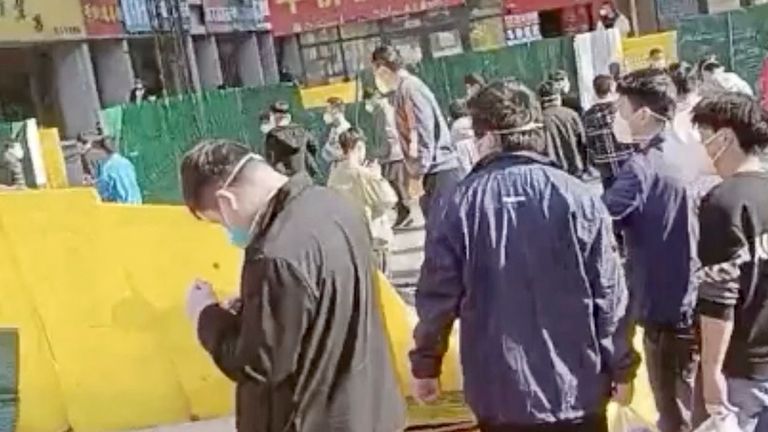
(199,296)
(425,390)
(623,393)
(715,392)
(234,305)
(88,180)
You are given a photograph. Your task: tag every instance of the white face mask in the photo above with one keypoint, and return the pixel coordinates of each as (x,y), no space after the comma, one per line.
(329,118)
(266,128)
(719,154)
(383,81)
(369,107)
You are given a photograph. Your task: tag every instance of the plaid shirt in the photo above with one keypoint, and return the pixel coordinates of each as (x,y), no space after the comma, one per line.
(602,148)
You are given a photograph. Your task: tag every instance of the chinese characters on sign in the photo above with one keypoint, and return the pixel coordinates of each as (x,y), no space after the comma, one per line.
(102,17)
(294,16)
(31,20)
(229,15)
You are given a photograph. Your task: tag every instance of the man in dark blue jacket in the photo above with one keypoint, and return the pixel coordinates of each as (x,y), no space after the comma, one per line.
(653,202)
(523,254)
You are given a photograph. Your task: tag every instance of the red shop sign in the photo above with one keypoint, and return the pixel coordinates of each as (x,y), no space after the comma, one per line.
(102,18)
(521,6)
(295,16)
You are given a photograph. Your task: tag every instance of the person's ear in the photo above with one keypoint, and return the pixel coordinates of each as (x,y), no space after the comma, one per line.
(226,200)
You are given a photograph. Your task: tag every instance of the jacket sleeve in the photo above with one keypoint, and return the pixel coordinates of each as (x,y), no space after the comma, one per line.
(424,126)
(626,194)
(439,293)
(261,345)
(611,298)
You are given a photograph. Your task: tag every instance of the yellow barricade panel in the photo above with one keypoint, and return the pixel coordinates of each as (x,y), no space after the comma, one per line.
(112,374)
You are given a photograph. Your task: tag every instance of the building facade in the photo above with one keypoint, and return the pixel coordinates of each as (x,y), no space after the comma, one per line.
(61,61)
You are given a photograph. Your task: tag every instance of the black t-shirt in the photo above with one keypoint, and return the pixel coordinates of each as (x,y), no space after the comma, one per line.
(733,248)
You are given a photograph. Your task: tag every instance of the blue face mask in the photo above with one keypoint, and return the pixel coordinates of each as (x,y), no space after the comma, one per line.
(239,237)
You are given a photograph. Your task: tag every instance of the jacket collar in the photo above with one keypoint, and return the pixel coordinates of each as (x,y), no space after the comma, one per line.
(523,157)
(294,187)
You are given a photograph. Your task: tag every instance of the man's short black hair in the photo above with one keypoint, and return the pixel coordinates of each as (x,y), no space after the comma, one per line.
(684,76)
(651,88)
(503,106)
(737,111)
(711,66)
(280,107)
(548,91)
(655,52)
(474,79)
(349,139)
(208,165)
(603,85)
(458,109)
(387,56)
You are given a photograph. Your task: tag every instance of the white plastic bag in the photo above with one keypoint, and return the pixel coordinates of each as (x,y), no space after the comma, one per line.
(720,423)
(628,420)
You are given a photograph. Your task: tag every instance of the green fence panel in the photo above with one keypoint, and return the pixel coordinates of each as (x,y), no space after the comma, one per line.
(739,39)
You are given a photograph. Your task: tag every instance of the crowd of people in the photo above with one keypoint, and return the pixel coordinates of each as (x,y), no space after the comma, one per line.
(548,275)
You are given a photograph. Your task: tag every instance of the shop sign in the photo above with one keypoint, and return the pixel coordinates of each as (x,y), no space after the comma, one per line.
(522,28)
(235,15)
(102,18)
(295,16)
(522,6)
(40,20)
(138,17)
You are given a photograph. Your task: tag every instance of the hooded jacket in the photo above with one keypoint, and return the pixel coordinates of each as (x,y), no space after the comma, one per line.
(291,150)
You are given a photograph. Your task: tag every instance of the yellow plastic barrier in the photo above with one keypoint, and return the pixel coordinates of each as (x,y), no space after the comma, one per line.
(53,159)
(97,292)
(316,97)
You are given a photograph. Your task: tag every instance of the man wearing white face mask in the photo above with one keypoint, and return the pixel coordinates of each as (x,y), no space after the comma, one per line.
(651,202)
(289,147)
(12,167)
(733,299)
(307,348)
(337,123)
(424,136)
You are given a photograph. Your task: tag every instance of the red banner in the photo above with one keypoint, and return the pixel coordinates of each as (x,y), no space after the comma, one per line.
(295,16)
(102,18)
(521,6)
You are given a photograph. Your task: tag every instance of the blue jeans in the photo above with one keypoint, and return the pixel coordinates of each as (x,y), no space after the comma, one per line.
(751,399)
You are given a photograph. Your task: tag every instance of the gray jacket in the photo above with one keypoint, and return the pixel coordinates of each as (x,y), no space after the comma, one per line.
(387,139)
(424,134)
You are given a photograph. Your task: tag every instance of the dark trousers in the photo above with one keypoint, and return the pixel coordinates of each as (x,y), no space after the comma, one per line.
(593,423)
(396,174)
(436,186)
(672,358)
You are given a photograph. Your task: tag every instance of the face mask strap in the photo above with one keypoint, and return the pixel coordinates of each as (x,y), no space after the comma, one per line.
(239,167)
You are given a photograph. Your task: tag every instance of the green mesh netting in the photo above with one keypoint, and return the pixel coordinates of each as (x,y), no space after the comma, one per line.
(155,135)
(739,39)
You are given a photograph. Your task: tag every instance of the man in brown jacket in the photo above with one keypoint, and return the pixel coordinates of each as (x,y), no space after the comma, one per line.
(307,346)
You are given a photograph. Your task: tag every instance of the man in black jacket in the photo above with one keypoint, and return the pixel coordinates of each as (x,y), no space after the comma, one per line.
(307,347)
(289,147)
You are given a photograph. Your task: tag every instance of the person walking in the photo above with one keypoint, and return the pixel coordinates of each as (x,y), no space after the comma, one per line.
(424,136)
(733,299)
(717,80)
(390,153)
(337,123)
(566,142)
(520,245)
(115,180)
(12,166)
(307,347)
(652,204)
(463,135)
(364,185)
(289,147)
(604,151)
